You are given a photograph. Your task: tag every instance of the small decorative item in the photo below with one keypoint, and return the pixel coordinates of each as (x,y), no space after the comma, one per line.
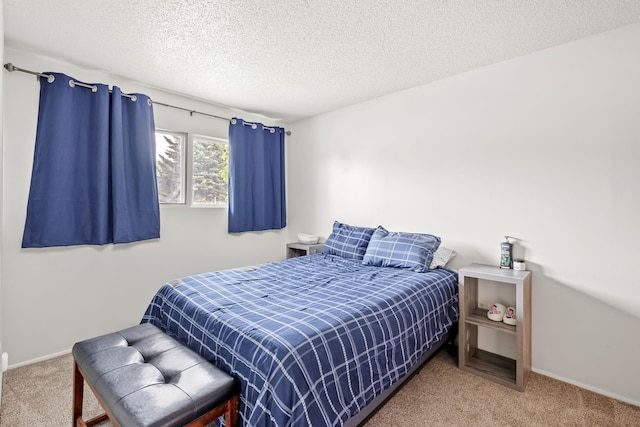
(308,239)
(496,313)
(519,264)
(505,254)
(510,316)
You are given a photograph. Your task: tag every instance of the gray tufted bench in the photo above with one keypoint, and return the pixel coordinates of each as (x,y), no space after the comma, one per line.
(143,377)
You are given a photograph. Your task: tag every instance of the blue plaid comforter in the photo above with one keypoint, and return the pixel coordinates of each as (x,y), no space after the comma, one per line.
(312,339)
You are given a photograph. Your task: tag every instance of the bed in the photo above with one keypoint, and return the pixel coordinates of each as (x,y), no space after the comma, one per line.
(314,341)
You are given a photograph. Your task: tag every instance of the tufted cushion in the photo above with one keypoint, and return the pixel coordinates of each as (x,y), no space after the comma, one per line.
(147,378)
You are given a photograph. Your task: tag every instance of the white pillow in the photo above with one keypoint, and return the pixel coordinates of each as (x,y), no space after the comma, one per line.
(441,257)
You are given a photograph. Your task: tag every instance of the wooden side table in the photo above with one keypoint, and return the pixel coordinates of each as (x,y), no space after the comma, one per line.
(503,370)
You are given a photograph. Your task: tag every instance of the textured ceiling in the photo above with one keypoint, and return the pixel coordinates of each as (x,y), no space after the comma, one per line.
(290,59)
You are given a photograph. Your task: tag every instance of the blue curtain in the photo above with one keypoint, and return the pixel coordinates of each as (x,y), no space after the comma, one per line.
(93,179)
(136,213)
(256,177)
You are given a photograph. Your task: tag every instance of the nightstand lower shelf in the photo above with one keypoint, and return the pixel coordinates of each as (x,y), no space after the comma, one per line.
(297,249)
(492,366)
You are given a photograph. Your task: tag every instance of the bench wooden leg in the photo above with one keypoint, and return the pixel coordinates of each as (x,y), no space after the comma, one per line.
(78,391)
(78,395)
(229,409)
(232,412)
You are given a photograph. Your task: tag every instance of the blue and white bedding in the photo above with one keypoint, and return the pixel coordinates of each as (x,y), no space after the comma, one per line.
(312,339)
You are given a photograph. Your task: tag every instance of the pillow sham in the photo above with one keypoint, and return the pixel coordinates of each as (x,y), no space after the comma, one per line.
(441,257)
(413,251)
(348,241)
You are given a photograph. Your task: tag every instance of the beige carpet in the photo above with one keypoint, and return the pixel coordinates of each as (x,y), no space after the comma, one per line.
(439,395)
(40,395)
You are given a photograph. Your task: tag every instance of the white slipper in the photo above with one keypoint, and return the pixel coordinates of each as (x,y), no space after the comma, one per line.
(510,316)
(496,313)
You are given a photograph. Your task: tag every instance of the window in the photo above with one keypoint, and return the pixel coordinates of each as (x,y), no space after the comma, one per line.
(196,174)
(170,147)
(209,171)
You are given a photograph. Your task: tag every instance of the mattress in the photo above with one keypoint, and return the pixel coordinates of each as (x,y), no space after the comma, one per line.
(312,340)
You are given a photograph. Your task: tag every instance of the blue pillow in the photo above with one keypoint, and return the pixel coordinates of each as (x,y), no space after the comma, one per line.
(411,251)
(348,241)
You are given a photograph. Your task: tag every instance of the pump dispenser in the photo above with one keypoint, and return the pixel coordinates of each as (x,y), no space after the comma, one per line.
(506,249)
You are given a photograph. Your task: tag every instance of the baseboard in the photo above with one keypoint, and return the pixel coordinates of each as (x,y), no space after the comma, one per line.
(39,359)
(586,387)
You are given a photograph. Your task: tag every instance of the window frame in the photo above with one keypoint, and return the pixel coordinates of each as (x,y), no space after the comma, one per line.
(187,167)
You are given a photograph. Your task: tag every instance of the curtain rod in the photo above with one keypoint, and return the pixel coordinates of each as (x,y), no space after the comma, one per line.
(11,68)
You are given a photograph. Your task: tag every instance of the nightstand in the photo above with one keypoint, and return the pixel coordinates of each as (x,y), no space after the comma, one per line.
(503,370)
(300,249)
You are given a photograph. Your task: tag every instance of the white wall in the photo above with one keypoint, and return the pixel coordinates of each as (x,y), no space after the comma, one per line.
(55,297)
(544,148)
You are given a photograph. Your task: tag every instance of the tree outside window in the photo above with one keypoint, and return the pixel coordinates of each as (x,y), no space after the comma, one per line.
(210,176)
(170,166)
